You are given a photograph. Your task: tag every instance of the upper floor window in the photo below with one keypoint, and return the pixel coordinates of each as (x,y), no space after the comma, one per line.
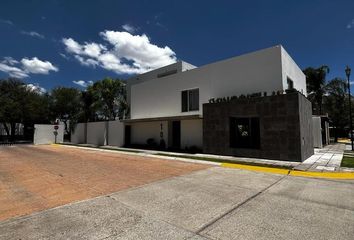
(190,100)
(290,83)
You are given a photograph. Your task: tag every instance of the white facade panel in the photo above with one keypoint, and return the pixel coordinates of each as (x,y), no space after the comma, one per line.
(292,71)
(116,133)
(192,133)
(259,71)
(44,134)
(96,133)
(78,136)
(142,131)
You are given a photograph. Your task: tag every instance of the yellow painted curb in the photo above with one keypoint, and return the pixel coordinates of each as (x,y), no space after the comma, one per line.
(329,175)
(256,168)
(55,145)
(332,175)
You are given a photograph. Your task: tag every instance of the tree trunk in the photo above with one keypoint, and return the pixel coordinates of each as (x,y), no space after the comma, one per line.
(6,129)
(13,131)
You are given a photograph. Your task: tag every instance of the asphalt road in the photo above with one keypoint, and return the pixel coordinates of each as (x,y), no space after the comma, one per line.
(212,203)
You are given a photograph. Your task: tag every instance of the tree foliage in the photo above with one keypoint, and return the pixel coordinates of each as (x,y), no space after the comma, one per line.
(316,83)
(104,100)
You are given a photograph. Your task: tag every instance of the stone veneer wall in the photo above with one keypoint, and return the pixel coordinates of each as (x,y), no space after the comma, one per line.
(285,127)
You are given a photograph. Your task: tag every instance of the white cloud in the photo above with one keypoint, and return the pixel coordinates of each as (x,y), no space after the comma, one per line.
(129,28)
(12,71)
(8,22)
(37,66)
(36,88)
(125,53)
(350,24)
(22,69)
(83,83)
(33,34)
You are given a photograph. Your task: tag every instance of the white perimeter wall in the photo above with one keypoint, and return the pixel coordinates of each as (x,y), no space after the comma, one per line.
(192,133)
(44,134)
(317,134)
(97,133)
(78,136)
(115,133)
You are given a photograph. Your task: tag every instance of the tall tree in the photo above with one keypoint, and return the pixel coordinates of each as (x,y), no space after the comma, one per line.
(65,106)
(21,104)
(110,97)
(316,83)
(334,103)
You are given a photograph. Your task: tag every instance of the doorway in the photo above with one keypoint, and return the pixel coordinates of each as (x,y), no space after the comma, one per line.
(176,134)
(127,135)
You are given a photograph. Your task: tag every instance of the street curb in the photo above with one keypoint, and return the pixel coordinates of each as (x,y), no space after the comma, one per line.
(297,173)
(273,170)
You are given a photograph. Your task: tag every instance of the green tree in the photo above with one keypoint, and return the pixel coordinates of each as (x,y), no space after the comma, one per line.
(316,83)
(335,104)
(65,106)
(21,104)
(110,98)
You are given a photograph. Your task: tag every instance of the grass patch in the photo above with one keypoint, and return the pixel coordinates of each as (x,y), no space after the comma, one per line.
(223,160)
(348,161)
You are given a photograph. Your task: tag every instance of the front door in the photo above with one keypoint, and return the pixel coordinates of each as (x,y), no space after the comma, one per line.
(127,134)
(176,134)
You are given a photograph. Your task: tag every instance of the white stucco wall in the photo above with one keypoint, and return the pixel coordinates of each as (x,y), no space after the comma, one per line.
(78,136)
(259,71)
(192,133)
(44,134)
(116,133)
(96,133)
(317,134)
(291,70)
(141,131)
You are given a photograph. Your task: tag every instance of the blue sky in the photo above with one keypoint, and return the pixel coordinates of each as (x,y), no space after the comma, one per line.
(52,43)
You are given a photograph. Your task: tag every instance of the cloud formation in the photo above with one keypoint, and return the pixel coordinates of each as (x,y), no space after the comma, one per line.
(122,53)
(5,21)
(25,67)
(33,34)
(129,28)
(36,88)
(350,24)
(83,83)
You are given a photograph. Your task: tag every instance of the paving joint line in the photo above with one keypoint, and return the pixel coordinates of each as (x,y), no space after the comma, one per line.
(238,206)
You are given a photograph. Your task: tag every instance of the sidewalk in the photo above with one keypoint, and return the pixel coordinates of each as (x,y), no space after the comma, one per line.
(327,159)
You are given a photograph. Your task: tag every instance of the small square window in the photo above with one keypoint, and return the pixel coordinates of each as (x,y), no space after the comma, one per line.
(244,133)
(290,83)
(190,100)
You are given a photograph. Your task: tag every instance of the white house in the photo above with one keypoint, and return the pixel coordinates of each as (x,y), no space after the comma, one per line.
(167,103)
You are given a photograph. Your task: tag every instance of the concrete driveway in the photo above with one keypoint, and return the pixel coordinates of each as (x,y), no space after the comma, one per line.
(209,203)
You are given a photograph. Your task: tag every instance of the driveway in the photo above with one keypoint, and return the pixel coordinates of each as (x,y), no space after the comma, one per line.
(204,203)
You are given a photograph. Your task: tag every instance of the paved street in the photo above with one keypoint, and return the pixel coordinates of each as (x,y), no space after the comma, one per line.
(204,203)
(34,178)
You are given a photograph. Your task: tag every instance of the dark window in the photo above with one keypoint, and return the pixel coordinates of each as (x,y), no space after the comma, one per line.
(244,133)
(290,83)
(190,100)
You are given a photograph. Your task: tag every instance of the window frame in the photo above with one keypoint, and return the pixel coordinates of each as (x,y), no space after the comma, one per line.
(187,107)
(252,141)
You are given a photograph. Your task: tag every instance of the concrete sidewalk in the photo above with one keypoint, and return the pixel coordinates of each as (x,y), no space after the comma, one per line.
(327,159)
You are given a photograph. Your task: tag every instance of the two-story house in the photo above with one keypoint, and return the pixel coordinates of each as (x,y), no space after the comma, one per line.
(166,106)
